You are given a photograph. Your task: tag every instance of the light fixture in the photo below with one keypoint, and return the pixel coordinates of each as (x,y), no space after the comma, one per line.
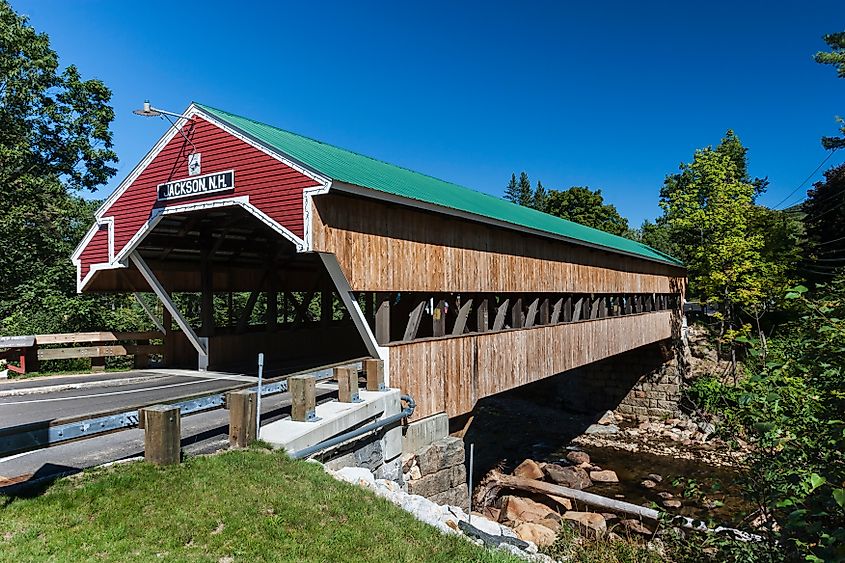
(150,111)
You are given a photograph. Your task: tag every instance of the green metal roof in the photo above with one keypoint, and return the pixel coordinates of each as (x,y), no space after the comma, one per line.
(353,168)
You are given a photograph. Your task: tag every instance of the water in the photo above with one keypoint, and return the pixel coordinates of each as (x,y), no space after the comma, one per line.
(507,430)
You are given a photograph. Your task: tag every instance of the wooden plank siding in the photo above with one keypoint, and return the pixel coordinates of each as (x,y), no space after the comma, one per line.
(96,251)
(386,247)
(273,187)
(451,374)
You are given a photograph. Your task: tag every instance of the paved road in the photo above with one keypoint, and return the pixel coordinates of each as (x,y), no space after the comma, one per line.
(53,398)
(201,433)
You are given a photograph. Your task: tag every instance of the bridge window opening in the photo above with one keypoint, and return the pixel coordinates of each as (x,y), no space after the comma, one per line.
(402,317)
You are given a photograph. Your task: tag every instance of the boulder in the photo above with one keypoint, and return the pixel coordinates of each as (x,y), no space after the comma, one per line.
(665,495)
(528,469)
(578,458)
(550,523)
(572,477)
(672,503)
(442,454)
(633,526)
(536,534)
(655,477)
(606,476)
(491,513)
(408,461)
(518,509)
(607,418)
(648,484)
(564,502)
(610,517)
(601,429)
(588,523)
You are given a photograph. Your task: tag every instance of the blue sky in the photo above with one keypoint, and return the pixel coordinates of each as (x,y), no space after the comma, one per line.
(610,95)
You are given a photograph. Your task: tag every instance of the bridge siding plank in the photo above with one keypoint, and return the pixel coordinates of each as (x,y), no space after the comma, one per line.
(384,247)
(449,375)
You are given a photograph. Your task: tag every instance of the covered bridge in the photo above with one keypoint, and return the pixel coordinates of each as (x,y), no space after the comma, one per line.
(307,252)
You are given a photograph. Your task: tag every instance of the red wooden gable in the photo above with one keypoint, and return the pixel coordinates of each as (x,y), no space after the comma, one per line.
(270,185)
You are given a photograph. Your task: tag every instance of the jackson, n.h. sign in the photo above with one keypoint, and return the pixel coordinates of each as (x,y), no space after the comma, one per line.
(197,185)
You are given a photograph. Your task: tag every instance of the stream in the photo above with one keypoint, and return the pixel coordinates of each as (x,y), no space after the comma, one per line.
(508,429)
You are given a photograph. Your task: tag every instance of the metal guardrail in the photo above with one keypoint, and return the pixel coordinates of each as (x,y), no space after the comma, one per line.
(44,436)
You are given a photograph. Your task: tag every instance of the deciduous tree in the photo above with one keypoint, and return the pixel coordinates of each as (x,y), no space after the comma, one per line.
(587,207)
(55,142)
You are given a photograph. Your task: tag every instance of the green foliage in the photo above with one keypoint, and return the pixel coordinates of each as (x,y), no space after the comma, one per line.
(526,196)
(656,235)
(836,58)
(53,125)
(512,190)
(539,199)
(587,207)
(824,220)
(739,256)
(791,410)
(570,546)
(54,141)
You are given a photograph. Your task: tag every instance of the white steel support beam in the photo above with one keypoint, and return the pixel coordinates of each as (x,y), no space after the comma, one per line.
(200,344)
(342,285)
(150,313)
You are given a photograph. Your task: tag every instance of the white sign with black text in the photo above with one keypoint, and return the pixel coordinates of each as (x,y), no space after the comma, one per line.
(197,186)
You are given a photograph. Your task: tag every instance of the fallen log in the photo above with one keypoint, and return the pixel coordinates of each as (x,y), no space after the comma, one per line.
(489,489)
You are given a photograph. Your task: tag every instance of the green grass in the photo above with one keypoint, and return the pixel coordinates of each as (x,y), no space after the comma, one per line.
(236,506)
(571,547)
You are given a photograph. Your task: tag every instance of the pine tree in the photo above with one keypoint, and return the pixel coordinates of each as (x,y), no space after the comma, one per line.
(526,195)
(512,191)
(539,197)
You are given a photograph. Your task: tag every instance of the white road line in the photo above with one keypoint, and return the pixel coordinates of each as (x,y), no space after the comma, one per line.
(144,390)
(16,456)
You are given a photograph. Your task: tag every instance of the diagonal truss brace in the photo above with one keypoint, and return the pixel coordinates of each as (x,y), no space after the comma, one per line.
(150,313)
(200,344)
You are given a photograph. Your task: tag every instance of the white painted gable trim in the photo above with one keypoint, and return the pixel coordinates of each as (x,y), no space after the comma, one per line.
(119,260)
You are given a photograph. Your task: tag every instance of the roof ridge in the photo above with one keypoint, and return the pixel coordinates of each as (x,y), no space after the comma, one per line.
(324,158)
(368,157)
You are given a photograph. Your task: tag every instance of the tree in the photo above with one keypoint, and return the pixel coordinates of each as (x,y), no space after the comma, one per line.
(539,197)
(732,147)
(512,191)
(54,142)
(836,58)
(526,195)
(739,256)
(585,206)
(824,221)
(657,235)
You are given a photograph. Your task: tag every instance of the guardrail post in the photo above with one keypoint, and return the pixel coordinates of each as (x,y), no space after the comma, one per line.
(303,398)
(242,405)
(375,375)
(347,384)
(162,434)
(98,364)
(141,360)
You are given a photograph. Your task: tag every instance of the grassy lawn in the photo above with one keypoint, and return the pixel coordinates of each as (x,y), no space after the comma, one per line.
(236,506)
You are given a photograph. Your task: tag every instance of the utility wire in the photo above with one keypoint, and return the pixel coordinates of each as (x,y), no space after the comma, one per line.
(808,178)
(826,211)
(830,241)
(808,270)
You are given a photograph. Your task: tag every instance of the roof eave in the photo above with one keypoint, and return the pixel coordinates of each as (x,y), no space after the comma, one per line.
(392,198)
